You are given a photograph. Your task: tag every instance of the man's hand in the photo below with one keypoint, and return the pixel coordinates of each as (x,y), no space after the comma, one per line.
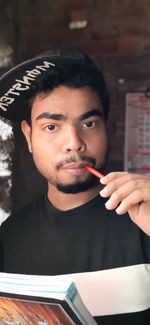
(130,193)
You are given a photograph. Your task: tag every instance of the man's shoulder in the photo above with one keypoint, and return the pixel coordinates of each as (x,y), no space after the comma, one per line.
(27,211)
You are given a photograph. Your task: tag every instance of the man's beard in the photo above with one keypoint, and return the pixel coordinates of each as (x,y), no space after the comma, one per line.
(79,186)
(90,182)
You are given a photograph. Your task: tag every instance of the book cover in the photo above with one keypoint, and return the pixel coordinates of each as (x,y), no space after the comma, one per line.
(25,301)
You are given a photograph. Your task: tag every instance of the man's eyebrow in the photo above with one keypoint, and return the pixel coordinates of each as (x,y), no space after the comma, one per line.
(93,112)
(61,117)
(53,116)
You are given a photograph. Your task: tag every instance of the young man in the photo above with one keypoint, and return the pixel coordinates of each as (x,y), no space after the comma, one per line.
(61,99)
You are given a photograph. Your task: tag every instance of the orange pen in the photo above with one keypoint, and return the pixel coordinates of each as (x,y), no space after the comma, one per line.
(93,171)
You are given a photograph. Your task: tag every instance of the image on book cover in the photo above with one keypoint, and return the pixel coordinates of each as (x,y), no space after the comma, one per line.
(25,311)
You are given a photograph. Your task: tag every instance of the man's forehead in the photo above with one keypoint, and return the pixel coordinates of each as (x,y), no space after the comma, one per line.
(63,95)
(67,100)
(65,92)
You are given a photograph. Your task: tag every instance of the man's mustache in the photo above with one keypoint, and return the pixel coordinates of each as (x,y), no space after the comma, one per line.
(78,160)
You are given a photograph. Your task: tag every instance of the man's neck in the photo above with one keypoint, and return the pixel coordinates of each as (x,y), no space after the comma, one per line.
(64,202)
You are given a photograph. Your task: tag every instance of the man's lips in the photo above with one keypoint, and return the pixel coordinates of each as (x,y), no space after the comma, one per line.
(80,165)
(76,168)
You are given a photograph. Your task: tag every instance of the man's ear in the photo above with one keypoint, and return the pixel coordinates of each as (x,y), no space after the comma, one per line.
(26,129)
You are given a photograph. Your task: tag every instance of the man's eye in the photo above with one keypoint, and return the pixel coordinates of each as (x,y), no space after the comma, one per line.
(51,127)
(89,124)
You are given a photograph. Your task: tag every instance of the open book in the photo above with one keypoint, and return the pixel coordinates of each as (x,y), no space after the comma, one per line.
(41,300)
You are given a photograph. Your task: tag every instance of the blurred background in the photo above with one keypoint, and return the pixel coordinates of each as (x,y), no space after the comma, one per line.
(115,33)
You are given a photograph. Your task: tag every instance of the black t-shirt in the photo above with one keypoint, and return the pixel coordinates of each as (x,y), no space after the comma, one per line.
(40,239)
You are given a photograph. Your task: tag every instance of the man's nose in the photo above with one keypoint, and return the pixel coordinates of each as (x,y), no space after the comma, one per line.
(73,140)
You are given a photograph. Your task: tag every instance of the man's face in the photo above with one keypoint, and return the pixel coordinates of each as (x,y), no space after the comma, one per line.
(68,130)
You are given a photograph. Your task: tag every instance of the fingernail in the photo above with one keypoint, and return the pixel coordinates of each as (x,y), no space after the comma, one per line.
(104,192)
(103,180)
(108,204)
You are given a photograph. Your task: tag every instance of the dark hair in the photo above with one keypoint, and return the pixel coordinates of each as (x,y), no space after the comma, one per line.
(72,75)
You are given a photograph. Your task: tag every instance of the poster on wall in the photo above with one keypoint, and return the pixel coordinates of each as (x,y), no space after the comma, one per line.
(137,133)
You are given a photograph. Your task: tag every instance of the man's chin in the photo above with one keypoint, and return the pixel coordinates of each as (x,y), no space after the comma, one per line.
(77,187)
